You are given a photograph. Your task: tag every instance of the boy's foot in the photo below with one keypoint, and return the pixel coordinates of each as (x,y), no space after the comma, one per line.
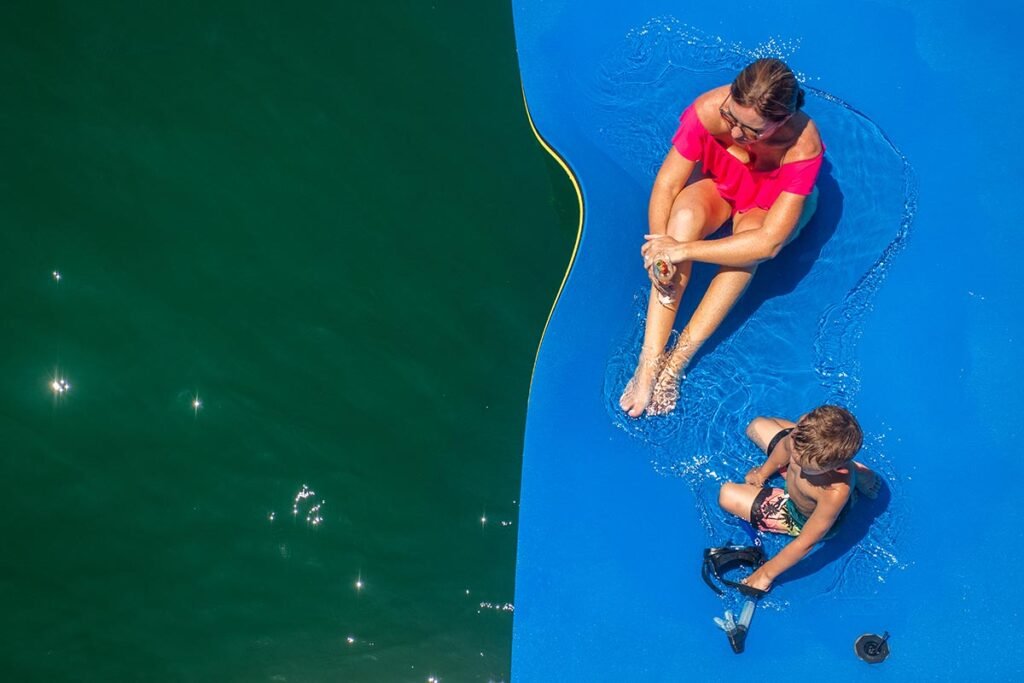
(868,482)
(637,393)
(666,392)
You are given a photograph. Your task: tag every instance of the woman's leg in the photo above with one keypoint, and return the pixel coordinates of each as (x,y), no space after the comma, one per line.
(724,291)
(697,211)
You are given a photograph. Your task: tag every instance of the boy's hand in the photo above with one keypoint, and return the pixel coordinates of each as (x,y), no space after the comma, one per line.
(759,580)
(755,477)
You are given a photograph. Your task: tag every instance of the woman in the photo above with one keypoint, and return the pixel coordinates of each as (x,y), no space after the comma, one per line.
(760,157)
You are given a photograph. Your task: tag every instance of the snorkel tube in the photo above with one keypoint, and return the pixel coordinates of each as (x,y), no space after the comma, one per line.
(736,631)
(717,563)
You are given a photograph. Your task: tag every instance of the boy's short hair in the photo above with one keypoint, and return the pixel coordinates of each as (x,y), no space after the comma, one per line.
(827,437)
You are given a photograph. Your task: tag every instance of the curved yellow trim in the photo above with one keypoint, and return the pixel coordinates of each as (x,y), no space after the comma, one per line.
(579,228)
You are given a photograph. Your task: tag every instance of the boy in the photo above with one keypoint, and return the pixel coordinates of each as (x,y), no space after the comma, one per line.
(816,457)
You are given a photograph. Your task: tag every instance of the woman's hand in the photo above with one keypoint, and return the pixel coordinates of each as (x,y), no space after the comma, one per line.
(662,245)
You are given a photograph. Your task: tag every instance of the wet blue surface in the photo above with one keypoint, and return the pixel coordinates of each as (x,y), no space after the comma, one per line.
(898,300)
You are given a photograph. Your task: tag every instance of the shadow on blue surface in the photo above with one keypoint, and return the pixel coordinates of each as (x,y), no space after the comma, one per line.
(853,531)
(782,274)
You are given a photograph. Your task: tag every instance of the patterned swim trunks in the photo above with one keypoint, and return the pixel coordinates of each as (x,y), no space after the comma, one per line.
(772,511)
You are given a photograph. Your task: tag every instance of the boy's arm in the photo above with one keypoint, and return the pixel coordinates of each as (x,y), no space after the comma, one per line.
(818,524)
(759,475)
(761,431)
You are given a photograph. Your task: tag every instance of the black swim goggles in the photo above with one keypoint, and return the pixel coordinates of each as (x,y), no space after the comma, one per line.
(719,561)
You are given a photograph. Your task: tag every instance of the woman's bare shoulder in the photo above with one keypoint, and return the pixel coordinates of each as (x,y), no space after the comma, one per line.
(706,105)
(807,146)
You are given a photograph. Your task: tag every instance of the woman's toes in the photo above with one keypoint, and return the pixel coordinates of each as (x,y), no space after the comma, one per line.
(637,393)
(626,400)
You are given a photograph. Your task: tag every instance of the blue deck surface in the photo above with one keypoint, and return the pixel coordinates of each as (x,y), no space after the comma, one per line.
(922,340)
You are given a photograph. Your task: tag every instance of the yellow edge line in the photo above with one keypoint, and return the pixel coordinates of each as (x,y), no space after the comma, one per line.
(579,228)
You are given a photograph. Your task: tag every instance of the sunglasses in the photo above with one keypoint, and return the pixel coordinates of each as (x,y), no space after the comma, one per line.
(749,132)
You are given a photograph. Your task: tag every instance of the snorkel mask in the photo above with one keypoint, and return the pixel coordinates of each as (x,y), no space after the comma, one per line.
(719,561)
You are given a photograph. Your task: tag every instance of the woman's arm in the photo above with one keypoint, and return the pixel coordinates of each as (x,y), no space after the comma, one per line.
(741,249)
(671,179)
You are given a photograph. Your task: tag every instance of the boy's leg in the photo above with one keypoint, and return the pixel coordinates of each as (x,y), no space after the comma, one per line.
(762,430)
(737,499)
(868,481)
(764,508)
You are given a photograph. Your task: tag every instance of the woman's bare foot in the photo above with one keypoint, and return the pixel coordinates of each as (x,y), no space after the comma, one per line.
(637,393)
(666,389)
(868,482)
(666,392)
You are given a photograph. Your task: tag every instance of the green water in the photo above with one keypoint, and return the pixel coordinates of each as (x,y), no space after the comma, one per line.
(334,227)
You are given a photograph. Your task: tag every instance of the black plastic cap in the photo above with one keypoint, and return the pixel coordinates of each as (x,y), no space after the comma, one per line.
(872,648)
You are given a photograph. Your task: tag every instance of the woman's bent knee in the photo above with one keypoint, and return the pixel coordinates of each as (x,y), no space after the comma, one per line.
(687,223)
